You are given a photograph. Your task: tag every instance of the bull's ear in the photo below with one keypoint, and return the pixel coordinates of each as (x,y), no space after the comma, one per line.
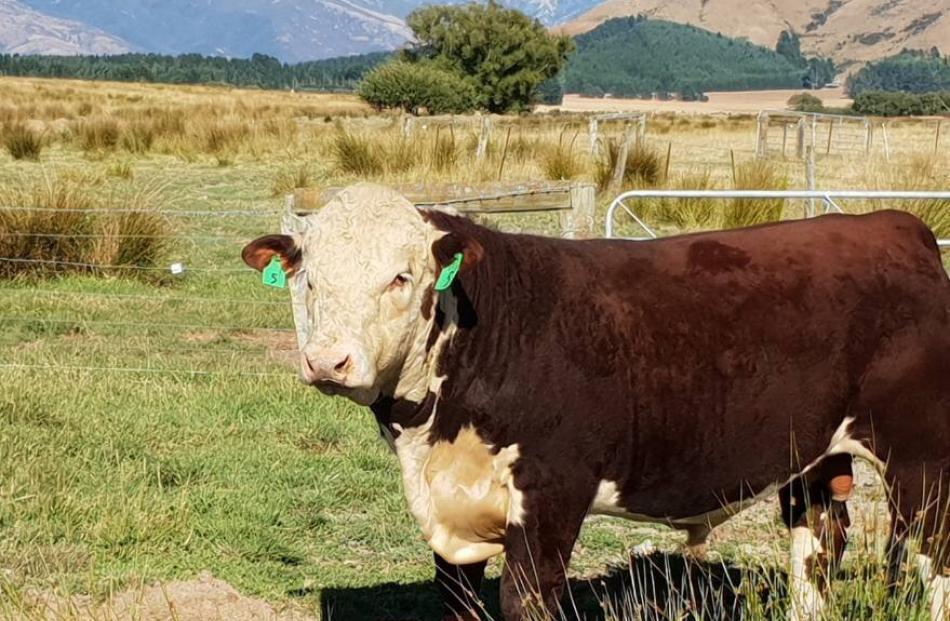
(445,248)
(259,253)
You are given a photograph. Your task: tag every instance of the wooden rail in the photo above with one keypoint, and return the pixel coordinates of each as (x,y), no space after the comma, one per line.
(573,202)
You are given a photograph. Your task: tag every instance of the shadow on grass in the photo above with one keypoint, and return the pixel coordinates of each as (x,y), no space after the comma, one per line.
(659,586)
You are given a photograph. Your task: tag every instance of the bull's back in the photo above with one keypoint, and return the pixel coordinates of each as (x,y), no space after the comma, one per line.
(720,350)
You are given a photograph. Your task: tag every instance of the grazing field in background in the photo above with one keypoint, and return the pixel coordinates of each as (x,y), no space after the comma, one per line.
(151,426)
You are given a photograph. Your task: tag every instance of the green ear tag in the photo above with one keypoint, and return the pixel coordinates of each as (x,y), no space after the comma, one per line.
(273,275)
(449,272)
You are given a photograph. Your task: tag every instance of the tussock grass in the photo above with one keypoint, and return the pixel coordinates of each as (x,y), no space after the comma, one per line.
(98,134)
(290,179)
(50,231)
(356,155)
(755,175)
(22,142)
(920,173)
(561,163)
(644,166)
(687,214)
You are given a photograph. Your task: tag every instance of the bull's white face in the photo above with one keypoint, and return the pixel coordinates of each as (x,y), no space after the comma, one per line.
(367,261)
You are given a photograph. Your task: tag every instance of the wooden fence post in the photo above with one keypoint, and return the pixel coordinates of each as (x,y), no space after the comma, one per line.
(579,222)
(937,138)
(594,139)
(620,166)
(810,179)
(868,137)
(831,129)
(484,135)
(887,146)
(407,123)
(762,137)
(800,142)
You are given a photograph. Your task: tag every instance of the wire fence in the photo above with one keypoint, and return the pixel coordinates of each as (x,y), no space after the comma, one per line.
(191,309)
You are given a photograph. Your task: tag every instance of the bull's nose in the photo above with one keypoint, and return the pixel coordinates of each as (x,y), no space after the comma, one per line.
(327,367)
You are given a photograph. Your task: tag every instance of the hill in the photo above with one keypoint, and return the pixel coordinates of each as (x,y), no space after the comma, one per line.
(633,56)
(26,31)
(852,32)
(291,30)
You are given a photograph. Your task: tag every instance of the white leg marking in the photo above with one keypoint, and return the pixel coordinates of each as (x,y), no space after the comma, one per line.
(807,602)
(938,589)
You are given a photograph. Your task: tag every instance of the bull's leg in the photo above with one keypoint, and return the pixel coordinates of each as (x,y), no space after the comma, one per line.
(459,586)
(537,552)
(814,508)
(921,519)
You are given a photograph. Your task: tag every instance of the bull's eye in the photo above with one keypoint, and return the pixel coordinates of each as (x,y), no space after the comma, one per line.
(400,281)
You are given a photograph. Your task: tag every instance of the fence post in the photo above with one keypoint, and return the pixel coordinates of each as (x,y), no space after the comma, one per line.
(800,142)
(291,223)
(620,166)
(887,146)
(642,128)
(937,138)
(810,179)
(784,138)
(484,135)
(762,137)
(831,129)
(407,123)
(868,137)
(578,223)
(592,129)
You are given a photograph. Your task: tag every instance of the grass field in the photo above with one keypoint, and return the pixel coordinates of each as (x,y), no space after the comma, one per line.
(151,426)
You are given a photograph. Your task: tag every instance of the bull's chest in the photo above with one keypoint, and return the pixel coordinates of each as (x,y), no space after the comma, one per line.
(459,492)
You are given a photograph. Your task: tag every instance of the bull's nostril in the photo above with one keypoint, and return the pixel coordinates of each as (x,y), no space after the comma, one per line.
(342,365)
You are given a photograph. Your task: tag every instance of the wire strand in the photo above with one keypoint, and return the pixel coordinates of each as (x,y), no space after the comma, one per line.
(150,298)
(192,372)
(169,212)
(122,267)
(139,324)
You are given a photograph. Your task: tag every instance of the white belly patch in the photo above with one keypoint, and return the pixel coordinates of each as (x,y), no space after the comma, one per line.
(461,494)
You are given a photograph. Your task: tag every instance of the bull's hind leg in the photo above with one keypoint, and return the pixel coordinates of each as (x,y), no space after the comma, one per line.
(921,521)
(815,510)
(459,586)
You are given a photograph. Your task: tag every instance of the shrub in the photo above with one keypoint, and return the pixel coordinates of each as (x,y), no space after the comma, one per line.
(805,102)
(22,142)
(416,86)
(61,235)
(878,103)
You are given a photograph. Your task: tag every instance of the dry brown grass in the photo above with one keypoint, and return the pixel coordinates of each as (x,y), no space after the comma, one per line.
(53,225)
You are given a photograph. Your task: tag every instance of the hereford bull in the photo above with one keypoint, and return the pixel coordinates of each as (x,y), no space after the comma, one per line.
(667,381)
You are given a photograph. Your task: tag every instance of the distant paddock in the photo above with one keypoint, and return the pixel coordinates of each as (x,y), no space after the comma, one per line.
(738,101)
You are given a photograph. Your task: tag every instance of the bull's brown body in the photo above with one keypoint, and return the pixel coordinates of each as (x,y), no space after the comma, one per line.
(696,371)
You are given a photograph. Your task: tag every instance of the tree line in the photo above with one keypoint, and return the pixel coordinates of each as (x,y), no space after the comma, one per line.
(260,71)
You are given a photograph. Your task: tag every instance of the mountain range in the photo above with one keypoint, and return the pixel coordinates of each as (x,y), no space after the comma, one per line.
(850,31)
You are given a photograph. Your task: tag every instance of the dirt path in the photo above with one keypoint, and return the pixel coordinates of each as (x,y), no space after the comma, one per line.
(203,599)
